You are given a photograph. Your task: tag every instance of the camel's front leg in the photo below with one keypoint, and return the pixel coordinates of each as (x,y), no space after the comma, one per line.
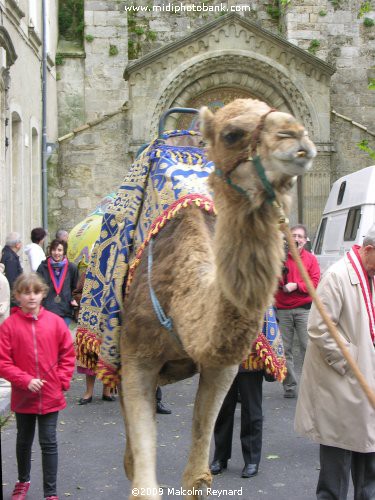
(138,380)
(214,384)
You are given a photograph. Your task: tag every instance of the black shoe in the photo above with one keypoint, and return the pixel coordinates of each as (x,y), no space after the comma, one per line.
(160,408)
(217,466)
(290,394)
(84,401)
(250,470)
(108,398)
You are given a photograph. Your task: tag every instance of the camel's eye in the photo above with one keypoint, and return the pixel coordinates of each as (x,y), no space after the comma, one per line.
(232,136)
(287,134)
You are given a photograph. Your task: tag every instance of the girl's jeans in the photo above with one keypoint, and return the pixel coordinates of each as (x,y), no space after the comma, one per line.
(48,443)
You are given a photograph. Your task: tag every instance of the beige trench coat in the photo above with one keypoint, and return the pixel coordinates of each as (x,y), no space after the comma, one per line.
(332,409)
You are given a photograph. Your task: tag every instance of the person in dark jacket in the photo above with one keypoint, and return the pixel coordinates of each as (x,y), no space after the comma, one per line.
(10,258)
(61,277)
(267,360)
(37,357)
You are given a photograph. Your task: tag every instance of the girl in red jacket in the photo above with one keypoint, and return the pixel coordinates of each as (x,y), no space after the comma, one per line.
(37,357)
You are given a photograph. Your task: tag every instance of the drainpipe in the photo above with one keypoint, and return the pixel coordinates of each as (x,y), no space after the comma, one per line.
(44,118)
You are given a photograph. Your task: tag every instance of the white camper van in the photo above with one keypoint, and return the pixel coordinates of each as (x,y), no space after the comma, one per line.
(348,215)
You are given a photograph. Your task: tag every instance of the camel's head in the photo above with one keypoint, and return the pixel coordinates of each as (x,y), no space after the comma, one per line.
(246,128)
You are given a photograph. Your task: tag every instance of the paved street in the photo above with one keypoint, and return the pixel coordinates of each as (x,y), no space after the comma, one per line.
(91,445)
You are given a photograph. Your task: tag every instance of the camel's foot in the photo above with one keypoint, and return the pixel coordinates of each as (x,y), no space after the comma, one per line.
(201,488)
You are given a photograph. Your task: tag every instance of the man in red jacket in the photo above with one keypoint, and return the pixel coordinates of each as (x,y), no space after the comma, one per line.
(293,305)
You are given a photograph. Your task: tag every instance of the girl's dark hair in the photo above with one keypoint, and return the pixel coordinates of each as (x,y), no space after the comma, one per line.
(55,243)
(30,281)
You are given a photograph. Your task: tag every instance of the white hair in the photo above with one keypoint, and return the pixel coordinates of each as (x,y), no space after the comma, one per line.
(12,239)
(369,239)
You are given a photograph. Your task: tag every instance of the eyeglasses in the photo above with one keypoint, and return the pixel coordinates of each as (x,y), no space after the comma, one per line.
(299,236)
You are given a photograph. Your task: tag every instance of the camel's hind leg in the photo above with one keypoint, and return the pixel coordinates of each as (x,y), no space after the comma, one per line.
(138,381)
(213,387)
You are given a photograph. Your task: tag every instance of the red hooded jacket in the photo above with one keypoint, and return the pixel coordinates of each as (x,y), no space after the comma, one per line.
(36,347)
(299,297)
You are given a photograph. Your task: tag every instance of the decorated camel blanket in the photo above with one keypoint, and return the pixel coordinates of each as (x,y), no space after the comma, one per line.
(164,180)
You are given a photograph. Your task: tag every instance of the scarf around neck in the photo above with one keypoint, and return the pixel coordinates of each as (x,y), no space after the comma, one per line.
(57,272)
(364,281)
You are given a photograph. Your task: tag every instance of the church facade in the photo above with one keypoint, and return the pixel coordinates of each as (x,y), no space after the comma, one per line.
(314,59)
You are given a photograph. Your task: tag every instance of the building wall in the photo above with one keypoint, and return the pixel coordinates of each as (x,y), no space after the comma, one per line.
(21,115)
(345,42)
(337,37)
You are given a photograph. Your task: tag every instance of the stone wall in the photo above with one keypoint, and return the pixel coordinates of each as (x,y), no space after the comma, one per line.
(345,42)
(90,165)
(106,48)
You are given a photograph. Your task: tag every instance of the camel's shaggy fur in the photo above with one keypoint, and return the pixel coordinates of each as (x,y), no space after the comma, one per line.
(215,277)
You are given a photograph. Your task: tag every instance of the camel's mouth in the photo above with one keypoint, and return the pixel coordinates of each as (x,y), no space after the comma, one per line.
(297,166)
(295,162)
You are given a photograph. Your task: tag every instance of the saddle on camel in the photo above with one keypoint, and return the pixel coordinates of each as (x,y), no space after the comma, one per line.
(185,268)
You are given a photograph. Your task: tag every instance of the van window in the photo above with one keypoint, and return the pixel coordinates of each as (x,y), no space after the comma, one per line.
(341,193)
(320,238)
(352,224)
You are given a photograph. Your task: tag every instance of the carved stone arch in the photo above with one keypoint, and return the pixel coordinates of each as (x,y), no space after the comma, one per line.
(262,80)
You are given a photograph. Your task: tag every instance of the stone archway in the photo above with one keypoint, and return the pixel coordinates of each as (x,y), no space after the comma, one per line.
(240,75)
(214,98)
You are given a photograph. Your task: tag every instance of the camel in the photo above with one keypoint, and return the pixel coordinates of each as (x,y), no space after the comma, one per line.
(214,276)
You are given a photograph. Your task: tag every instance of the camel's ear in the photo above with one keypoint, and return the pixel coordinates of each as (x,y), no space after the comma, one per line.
(206,123)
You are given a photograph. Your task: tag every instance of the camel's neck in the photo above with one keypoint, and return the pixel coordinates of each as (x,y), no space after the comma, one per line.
(228,280)
(248,254)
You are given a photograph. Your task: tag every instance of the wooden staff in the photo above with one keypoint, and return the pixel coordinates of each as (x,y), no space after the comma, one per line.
(330,325)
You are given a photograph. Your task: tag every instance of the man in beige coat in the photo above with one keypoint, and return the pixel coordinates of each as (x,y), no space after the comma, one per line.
(332,409)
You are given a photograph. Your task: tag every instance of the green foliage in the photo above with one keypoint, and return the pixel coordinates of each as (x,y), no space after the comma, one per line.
(71,19)
(3,420)
(336,4)
(151,35)
(59,60)
(58,76)
(365,8)
(89,38)
(132,49)
(113,50)
(363,146)
(273,11)
(137,34)
(322,13)
(371,84)
(276,8)
(314,45)
(139,31)
(368,22)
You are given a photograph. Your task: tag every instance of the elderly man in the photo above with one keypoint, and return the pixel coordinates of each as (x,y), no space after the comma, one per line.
(293,304)
(10,258)
(332,409)
(62,235)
